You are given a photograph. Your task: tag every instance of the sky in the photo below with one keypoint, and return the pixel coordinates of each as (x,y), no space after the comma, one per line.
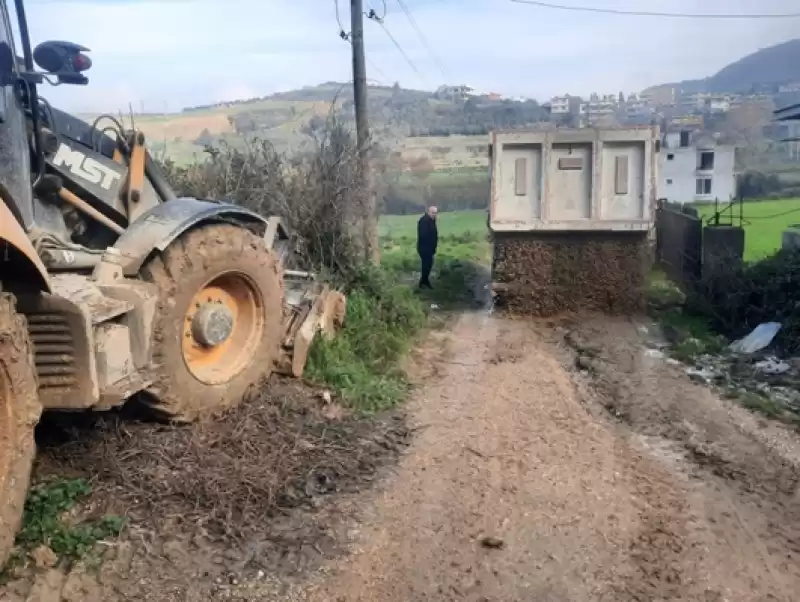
(163,55)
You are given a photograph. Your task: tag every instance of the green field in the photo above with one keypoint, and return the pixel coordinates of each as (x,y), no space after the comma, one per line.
(463,233)
(764,222)
(452,223)
(463,236)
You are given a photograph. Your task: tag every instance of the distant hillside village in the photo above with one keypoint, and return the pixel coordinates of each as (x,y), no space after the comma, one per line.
(664,104)
(720,136)
(709,139)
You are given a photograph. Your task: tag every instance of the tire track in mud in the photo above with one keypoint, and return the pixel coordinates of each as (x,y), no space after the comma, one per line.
(739,471)
(583,512)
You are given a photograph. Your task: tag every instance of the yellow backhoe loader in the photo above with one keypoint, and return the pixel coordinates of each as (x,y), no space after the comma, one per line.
(112,286)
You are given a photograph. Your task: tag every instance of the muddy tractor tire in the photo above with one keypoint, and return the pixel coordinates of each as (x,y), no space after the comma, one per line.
(218,325)
(20,413)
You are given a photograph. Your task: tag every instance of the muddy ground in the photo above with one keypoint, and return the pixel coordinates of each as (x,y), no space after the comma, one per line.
(548,461)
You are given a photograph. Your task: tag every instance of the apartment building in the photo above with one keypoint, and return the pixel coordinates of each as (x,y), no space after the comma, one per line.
(699,172)
(559,105)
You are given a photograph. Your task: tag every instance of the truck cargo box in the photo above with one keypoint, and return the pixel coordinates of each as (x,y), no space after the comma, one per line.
(570,217)
(574,179)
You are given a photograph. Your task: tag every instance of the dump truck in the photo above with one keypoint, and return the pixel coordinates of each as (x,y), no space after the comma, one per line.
(570,218)
(113,286)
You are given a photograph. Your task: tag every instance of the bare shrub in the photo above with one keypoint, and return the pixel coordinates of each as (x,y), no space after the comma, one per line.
(738,299)
(318,194)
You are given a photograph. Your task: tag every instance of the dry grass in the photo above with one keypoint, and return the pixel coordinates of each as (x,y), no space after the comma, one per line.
(281,449)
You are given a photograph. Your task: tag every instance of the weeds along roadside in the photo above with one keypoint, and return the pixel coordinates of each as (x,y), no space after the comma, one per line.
(725,306)
(386,312)
(361,363)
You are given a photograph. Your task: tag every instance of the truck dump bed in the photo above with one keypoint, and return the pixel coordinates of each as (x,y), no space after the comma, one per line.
(570,215)
(583,179)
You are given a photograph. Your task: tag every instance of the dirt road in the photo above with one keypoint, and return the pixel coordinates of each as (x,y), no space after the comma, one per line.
(550,462)
(685,498)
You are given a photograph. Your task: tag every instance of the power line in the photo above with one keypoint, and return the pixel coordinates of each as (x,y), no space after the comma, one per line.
(346,37)
(421,36)
(378,71)
(636,13)
(342,33)
(372,13)
(399,48)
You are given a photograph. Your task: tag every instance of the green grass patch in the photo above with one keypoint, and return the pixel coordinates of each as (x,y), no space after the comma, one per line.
(662,293)
(764,224)
(463,237)
(385,311)
(691,335)
(399,253)
(362,362)
(761,403)
(45,521)
(451,223)
(457,269)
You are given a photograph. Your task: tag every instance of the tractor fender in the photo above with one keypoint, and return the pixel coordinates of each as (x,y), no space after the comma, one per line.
(24,262)
(160,225)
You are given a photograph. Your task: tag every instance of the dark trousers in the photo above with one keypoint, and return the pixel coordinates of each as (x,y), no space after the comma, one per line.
(426,264)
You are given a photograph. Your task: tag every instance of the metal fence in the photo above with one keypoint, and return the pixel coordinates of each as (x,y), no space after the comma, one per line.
(686,250)
(679,244)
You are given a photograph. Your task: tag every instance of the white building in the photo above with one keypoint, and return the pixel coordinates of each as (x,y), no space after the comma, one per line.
(597,108)
(455,92)
(719,105)
(637,109)
(559,105)
(695,173)
(599,105)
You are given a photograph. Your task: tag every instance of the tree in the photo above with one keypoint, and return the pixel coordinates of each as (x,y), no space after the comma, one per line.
(743,127)
(205,138)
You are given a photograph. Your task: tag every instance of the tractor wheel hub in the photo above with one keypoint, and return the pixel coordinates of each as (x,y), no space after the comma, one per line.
(212,324)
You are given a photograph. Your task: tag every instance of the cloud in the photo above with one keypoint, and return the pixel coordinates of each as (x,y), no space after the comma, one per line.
(186,52)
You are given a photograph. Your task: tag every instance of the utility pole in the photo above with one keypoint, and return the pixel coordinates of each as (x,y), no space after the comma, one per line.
(370,218)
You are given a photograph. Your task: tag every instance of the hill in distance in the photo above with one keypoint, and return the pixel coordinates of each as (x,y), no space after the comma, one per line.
(417,124)
(760,70)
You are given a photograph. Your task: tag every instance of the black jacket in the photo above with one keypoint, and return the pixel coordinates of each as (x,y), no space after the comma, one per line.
(427,235)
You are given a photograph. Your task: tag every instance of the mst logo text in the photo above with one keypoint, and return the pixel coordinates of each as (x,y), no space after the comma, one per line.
(85,167)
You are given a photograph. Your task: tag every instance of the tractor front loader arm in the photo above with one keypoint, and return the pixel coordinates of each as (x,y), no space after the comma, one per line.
(310,308)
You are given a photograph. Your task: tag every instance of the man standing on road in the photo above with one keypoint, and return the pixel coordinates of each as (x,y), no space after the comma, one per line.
(427,240)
